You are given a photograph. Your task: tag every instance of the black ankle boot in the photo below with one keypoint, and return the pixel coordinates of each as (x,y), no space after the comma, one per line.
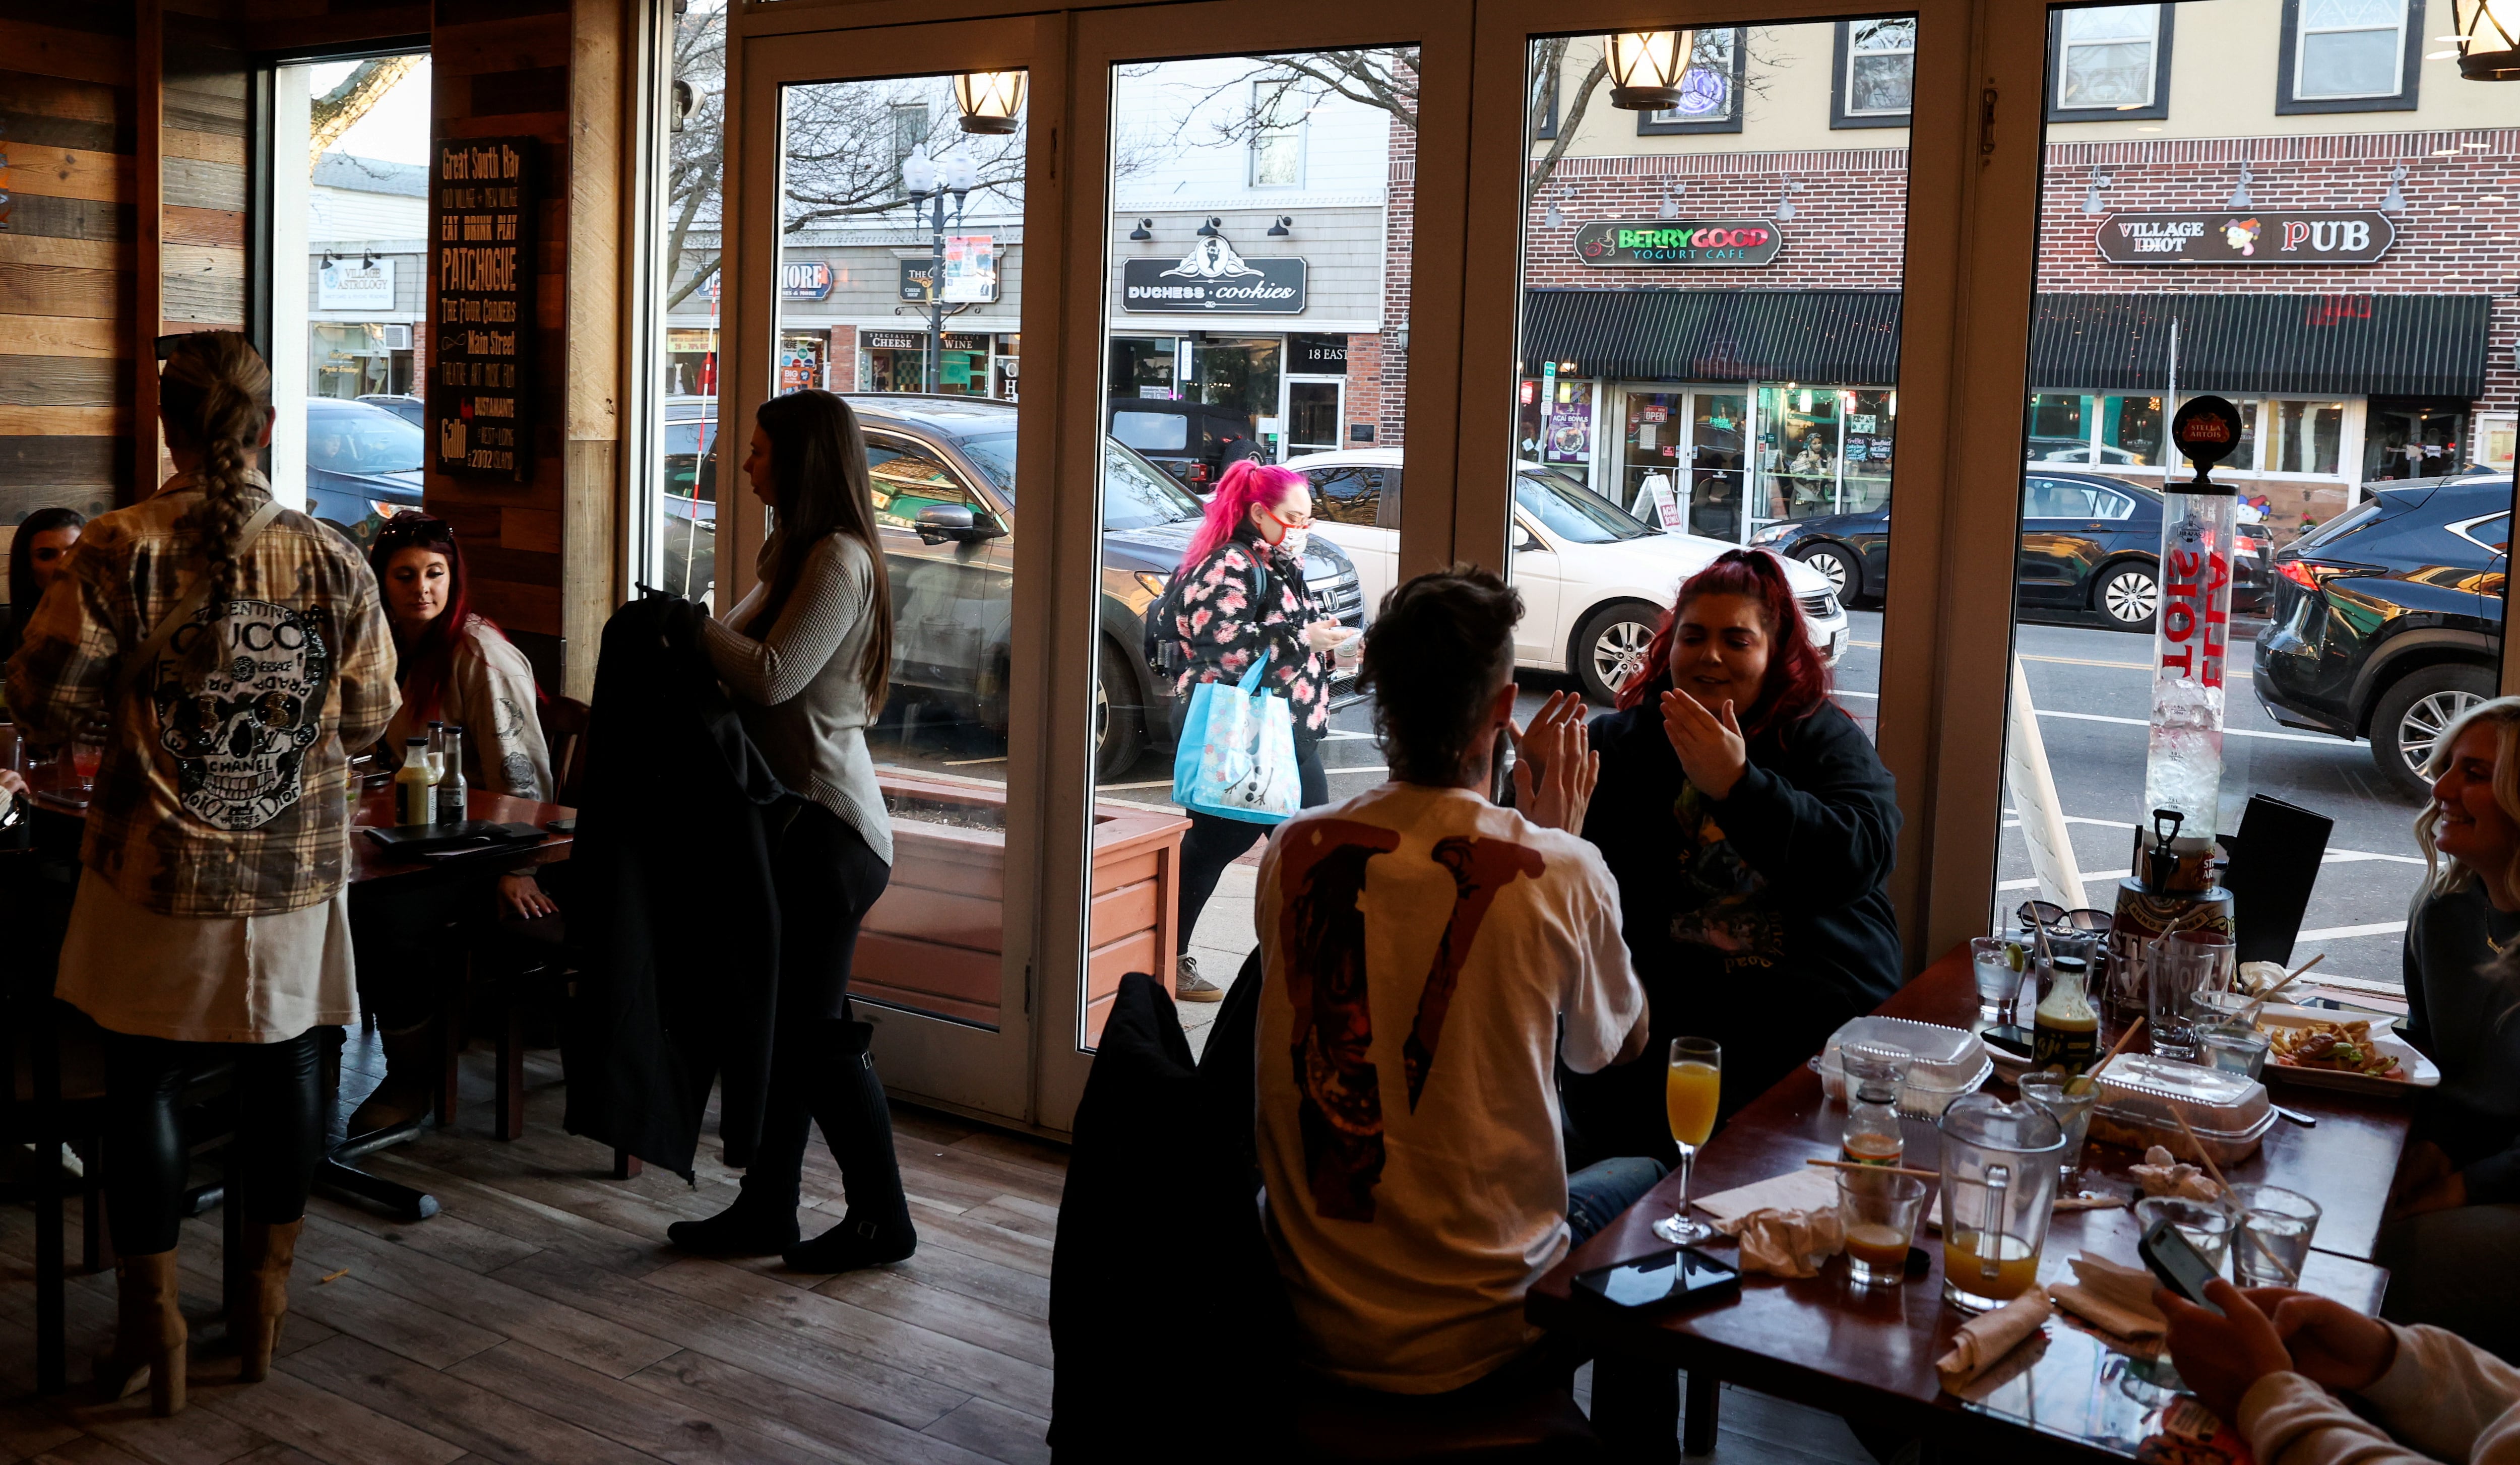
(849,1104)
(757,1224)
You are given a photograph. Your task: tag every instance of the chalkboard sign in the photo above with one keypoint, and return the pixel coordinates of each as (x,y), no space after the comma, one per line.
(481,376)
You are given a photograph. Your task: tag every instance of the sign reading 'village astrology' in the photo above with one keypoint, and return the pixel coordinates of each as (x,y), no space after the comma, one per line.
(481,379)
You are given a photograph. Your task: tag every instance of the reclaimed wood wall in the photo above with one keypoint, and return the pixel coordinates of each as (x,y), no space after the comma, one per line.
(202,191)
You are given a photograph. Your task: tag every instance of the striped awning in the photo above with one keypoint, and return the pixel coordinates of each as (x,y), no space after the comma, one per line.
(2374,345)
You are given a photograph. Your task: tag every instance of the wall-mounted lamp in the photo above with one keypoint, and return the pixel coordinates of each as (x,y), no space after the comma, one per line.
(1785,199)
(2092,197)
(1279,230)
(990,102)
(328,257)
(2488,39)
(2240,194)
(2395,199)
(1670,208)
(1143,231)
(1209,230)
(1646,68)
(1556,219)
(367,259)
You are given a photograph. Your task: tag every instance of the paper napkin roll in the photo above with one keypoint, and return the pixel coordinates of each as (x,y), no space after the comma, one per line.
(1987,1337)
(2113,1298)
(1786,1243)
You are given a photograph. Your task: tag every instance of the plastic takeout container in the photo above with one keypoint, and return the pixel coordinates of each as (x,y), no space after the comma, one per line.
(1948,1061)
(2143,1098)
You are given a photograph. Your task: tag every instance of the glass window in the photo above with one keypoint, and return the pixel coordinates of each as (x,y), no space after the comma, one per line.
(1707,87)
(1278,105)
(1573,512)
(1351,495)
(354,437)
(2307,436)
(2060,429)
(1138,495)
(2131,430)
(683,537)
(1880,66)
(1158,432)
(2072,498)
(908,477)
(2105,57)
(2349,48)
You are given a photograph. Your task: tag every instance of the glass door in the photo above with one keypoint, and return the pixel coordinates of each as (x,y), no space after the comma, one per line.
(1650,456)
(1717,432)
(848,145)
(1313,416)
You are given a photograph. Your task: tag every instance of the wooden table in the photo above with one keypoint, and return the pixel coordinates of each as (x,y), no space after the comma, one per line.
(1869,1354)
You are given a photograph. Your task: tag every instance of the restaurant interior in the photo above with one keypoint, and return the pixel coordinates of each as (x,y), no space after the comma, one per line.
(2067,940)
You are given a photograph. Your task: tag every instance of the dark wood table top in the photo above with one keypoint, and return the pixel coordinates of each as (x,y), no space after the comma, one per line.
(1870,1353)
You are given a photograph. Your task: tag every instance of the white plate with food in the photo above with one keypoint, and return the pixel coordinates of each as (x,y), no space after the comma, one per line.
(2313,1048)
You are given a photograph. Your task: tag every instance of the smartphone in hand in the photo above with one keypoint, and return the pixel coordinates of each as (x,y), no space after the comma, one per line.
(2179,1266)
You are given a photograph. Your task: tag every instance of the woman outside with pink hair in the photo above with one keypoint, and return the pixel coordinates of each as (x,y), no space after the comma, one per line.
(1239,595)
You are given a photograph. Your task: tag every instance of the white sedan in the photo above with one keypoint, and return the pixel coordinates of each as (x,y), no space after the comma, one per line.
(1594,580)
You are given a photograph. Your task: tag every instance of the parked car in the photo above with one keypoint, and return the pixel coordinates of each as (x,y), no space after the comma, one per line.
(2075,450)
(689,495)
(362,465)
(2387,620)
(1193,441)
(1594,580)
(2090,544)
(401,404)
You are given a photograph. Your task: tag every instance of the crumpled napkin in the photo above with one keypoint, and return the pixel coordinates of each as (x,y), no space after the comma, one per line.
(2112,1298)
(1987,1337)
(2165,1173)
(1786,1243)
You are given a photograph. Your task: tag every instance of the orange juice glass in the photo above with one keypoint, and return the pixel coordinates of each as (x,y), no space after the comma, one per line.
(1692,1085)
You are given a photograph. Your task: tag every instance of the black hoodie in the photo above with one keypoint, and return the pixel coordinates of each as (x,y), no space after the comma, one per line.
(1761,920)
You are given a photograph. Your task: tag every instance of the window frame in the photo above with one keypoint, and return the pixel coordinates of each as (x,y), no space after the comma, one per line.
(2411,67)
(1299,132)
(1841,80)
(1646,126)
(2052,82)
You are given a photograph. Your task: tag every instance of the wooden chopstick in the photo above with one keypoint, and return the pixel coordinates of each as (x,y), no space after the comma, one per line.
(2269,994)
(2084,1081)
(1888,1170)
(2238,1222)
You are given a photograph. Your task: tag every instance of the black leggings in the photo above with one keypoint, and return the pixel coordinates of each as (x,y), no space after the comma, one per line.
(279,1131)
(1214,843)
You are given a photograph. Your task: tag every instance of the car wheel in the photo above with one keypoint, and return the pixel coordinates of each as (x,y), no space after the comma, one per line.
(2128,595)
(1845,576)
(1610,650)
(1119,718)
(2410,717)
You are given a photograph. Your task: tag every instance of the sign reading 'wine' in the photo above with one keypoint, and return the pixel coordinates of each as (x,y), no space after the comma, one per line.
(481,376)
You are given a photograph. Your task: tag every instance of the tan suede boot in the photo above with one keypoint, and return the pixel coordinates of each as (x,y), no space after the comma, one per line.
(148,1341)
(268,1253)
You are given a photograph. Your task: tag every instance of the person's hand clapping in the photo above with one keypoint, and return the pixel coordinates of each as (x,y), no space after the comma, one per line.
(1556,769)
(1712,751)
(2331,1345)
(2221,1359)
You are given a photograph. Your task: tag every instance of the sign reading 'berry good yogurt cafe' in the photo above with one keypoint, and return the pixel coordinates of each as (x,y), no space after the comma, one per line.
(1700,243)
(2248,236)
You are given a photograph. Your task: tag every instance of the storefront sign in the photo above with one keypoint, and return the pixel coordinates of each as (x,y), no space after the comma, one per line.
(2265,235)
(917,341)
(917,274)
(970,269)
(349,284)
(1316,355)
(482,383)
(804,280)
(1212,276)
(1704,243)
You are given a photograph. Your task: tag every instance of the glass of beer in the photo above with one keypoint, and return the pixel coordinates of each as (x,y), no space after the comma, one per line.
(1880,1208)
(1691,1087)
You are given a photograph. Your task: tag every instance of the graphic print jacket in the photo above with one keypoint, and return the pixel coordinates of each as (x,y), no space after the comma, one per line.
(1216,626)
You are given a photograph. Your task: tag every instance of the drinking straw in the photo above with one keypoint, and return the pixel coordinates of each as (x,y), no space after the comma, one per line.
(2216,1172)
(1888,1170)
(2084,1081)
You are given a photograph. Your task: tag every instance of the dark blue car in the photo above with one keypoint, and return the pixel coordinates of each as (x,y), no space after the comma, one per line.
(362,465)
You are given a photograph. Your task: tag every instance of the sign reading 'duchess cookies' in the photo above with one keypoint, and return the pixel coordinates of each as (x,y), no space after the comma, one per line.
(481,378)
(2248,236)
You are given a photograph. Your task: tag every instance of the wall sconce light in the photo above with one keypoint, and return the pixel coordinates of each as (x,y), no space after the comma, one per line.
(328,257)
(1646,68)
(1279,230)
(1670,205)
(2395,199)
(368,259)
(2489,41)
(2092,199)
(1556,218)
(1785,199)
(2240,194)
(990,102)
(1143,231)
(1209,230)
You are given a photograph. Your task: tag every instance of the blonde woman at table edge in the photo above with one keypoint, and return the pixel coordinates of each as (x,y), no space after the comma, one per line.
(2452,1239)
(211,921)
(807,657)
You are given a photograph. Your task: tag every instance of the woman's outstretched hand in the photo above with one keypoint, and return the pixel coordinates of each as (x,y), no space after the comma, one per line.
(1556,769)
(524,897)
(1712,751)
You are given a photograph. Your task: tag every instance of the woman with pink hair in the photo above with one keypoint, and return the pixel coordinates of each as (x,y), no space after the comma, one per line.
(1238,596)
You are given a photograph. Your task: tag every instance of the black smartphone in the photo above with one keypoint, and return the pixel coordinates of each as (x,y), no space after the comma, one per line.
(1682,1275)
(2177,1264)
(562,826)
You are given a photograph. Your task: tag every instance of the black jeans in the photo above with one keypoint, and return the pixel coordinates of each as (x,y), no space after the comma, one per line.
(408,946)
(828,881)
(1214,843)
(279,1131)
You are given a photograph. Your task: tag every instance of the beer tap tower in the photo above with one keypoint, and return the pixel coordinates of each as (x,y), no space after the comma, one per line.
(2172,887)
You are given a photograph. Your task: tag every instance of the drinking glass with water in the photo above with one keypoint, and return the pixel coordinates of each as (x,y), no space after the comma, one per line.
(2274,1232)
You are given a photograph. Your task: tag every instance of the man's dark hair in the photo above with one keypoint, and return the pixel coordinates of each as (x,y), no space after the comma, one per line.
(1434,656)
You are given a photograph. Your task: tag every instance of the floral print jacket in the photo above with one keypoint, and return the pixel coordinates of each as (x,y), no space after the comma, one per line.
(1223,637)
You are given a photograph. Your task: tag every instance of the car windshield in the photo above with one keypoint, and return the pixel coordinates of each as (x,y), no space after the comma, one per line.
(1152,431)
(362,440)
(1136,494)
(1572,512)
(2338,527)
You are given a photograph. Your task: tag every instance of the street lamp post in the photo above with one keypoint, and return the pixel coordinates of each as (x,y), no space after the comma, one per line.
(927,184)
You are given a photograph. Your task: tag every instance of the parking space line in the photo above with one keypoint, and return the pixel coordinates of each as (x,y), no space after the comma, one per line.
(2137,722)
(2339,933)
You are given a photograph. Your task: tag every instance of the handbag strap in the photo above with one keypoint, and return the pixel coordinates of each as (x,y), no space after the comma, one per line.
(188,602)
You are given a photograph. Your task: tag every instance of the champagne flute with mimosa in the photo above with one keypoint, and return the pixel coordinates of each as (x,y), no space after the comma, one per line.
(1690,1089)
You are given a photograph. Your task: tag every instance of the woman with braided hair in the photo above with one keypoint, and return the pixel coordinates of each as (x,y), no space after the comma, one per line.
(234,649)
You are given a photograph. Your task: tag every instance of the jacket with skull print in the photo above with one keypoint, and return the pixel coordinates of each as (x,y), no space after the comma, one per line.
(221,793)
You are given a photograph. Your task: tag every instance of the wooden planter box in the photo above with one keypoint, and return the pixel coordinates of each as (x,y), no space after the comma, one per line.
(935,942)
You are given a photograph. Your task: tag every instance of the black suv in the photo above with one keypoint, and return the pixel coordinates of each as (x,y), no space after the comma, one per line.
(2387,620)
(1193,441)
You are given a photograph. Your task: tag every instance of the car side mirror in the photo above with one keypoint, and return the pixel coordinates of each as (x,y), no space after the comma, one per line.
(1524,541)
(938,522)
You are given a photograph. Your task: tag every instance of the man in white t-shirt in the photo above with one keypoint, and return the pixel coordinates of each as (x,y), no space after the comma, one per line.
(1424,947)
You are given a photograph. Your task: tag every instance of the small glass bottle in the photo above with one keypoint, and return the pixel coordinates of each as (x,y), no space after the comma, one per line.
(450,783)
(415,799)
(2065,1034)
(436,753)
(1875,1076)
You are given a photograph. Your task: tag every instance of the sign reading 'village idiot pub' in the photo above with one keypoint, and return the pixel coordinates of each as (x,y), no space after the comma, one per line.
(1702,243)
(2248,236)
(482,375)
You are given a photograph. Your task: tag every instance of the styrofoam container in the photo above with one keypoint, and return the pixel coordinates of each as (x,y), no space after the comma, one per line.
(2228,1111)
(1949,1061)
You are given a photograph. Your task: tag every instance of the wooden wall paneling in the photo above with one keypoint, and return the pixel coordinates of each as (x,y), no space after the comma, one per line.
(68,311)
(304,25)
(202,255)
(148,215)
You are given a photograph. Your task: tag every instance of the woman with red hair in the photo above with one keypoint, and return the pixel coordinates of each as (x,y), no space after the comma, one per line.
(1752,829)
(1238,596)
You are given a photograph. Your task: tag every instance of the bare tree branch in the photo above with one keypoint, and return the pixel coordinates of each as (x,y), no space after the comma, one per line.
(340,110)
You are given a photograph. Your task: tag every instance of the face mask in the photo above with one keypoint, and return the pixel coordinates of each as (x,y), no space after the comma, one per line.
(1295,542)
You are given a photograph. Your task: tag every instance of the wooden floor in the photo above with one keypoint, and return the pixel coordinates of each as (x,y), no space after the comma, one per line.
(540,1319)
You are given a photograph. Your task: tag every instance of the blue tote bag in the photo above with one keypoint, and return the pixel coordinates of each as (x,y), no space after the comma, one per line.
(1236,758)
